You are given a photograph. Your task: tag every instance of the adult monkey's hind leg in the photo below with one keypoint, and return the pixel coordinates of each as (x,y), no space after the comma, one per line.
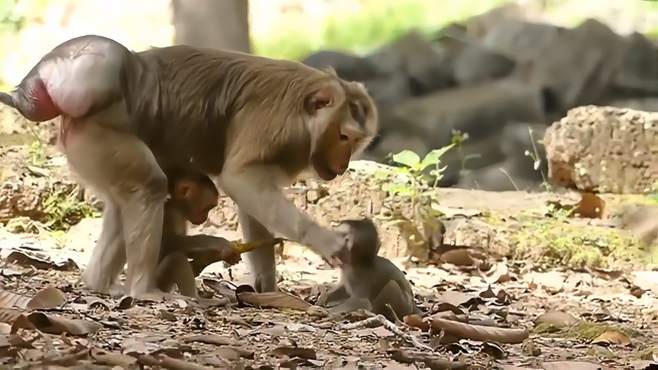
(111,251)
(122,168)
(261,261)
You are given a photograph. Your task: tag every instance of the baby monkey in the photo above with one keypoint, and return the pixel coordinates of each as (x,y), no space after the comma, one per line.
(370,281)
(183,257)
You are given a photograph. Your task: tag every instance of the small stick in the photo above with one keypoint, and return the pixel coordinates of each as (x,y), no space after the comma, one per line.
(380,319)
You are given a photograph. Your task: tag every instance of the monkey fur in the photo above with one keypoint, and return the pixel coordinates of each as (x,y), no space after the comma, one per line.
(253,124)
(182,256)
(370,281)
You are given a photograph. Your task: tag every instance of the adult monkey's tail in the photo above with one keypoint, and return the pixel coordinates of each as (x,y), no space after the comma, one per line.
(7,99)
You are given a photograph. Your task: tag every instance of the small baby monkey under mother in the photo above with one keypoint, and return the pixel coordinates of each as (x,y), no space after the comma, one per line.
(370,281)
(192,196)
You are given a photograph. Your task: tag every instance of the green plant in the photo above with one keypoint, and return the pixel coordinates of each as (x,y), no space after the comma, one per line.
(409,179)
(63,209)
(37,153)
(536,159)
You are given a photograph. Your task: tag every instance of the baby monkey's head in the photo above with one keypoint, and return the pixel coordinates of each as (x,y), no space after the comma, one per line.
(363,239)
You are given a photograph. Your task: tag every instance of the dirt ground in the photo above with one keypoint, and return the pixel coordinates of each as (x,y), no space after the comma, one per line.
(532,287)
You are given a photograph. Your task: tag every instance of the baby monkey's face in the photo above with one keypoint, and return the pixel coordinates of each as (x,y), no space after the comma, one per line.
(363,239)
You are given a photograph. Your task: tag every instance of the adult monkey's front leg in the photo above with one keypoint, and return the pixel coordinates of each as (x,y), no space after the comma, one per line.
(262,264)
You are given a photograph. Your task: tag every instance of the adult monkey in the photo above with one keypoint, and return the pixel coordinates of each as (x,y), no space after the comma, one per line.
(252,123)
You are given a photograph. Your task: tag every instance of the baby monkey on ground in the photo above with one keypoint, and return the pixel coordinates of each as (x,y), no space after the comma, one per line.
(183,257)
(370,281)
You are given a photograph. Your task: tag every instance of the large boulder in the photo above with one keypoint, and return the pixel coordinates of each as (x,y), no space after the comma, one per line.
(578,66)
(476,64)
(638,73)
(520,40)
(471,155)
(477,110)
(520,142)
(509,164)
(348,66)
(604,149)
(426,68)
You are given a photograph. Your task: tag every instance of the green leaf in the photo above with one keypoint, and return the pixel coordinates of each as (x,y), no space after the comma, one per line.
(434,157)
(397,188)
(407,158)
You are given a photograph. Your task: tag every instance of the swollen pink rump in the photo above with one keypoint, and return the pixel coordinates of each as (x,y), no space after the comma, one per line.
(42,107)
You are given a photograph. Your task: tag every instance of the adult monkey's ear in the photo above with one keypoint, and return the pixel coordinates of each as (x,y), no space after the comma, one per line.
(319,99)
(183,190)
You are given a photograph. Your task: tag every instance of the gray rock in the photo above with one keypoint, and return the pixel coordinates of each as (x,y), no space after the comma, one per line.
(517,138)
(390,89)
(639,69)
(578,65)
(604,149)
(471,156)
(477,110)
(520,40)
(647,104)
(347,66)
(426,68)
(476,64)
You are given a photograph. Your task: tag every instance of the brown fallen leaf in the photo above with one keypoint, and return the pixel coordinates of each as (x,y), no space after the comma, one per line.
(13,300)
(433,362)
(570,365)
(125,303)
(55,324)
(493,350)
(551,281)
(303,352)
(415,321)
(236,349)
(590,206)
(47,298)
(5,328)
(479,332)
(499,273)
(612,337)
(96,303)
(227,353)
(217,340)
(9,315)
(23,258)
(457,298)
(102,357)
(166,362)
(647,280)
(273,299)
(557,319)
(458,257)
(225,288)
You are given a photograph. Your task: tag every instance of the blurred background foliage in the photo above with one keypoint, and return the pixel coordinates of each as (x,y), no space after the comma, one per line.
(278,28)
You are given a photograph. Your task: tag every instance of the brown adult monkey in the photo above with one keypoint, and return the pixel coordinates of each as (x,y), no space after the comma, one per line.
(192,196)
(252,123)
(370,281)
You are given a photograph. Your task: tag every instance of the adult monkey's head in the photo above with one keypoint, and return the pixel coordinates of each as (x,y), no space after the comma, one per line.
(342,120)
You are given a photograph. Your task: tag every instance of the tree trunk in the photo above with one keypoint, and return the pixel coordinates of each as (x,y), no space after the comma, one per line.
(219,24)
